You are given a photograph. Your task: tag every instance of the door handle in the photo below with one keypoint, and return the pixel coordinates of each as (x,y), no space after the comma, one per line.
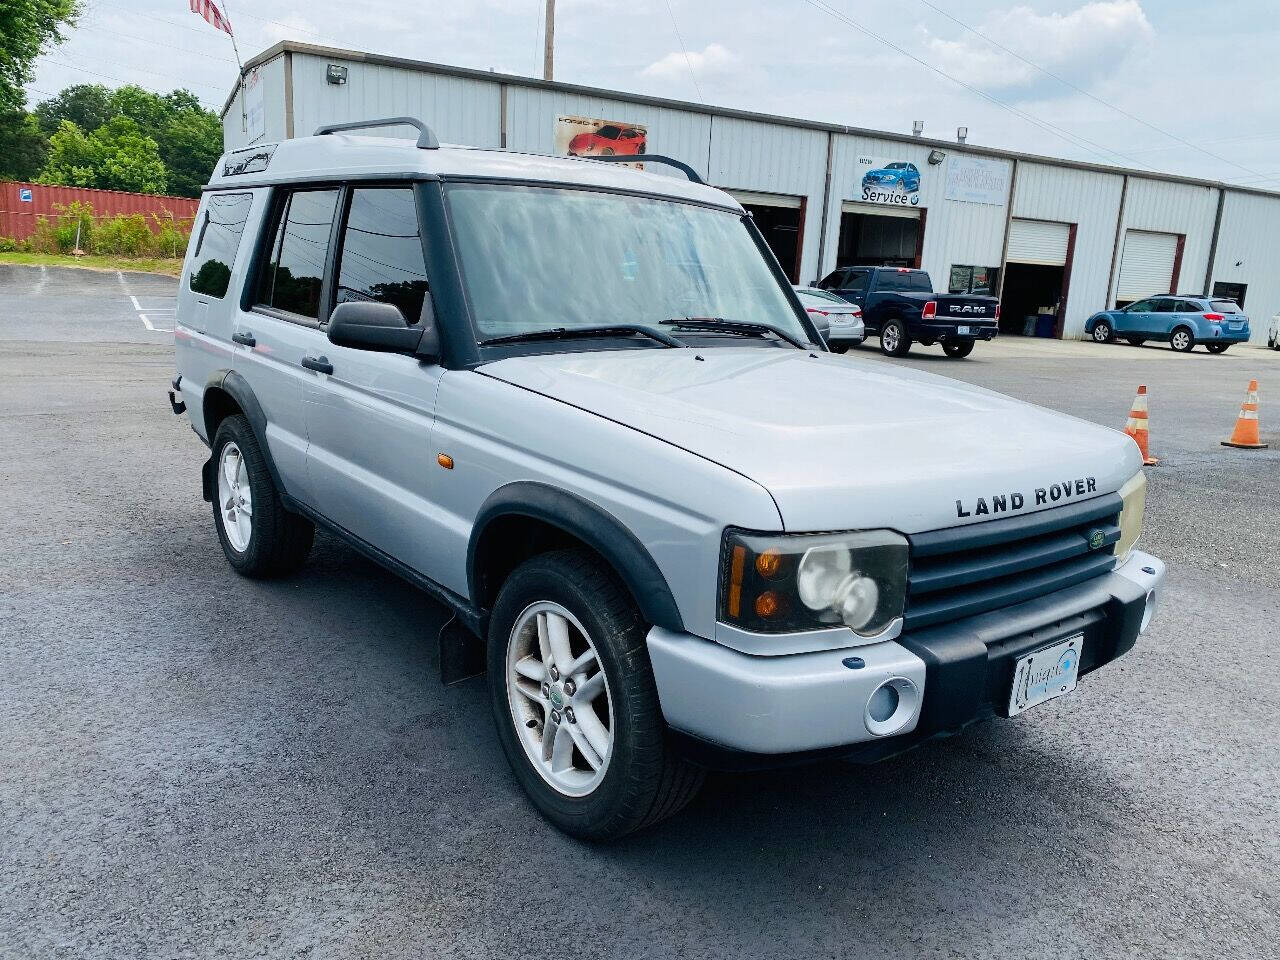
(244,338)
(318,364)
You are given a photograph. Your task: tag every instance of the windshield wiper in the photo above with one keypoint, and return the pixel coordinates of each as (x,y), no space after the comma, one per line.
(575,333)
(746,328)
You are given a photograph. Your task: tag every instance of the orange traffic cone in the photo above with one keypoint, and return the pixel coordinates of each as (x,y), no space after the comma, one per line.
(1137,426)
(1246,432)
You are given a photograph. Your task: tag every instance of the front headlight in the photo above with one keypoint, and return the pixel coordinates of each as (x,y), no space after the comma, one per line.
(779,583)
(1134,495)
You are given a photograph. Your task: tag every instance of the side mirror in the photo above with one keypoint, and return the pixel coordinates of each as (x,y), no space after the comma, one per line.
(373,326)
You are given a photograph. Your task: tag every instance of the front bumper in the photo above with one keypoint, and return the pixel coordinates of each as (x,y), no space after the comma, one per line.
(733,703)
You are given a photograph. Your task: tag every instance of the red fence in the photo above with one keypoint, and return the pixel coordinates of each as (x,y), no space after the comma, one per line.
(21,203)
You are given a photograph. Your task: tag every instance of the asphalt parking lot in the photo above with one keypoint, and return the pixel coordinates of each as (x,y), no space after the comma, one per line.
(195,765)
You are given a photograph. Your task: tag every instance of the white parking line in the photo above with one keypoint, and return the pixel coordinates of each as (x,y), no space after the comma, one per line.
(168,312)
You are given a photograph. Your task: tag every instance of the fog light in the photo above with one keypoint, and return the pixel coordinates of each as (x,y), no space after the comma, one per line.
(883,703)
(891,707)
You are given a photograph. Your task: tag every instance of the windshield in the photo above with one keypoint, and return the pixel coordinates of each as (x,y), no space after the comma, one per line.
(538,258)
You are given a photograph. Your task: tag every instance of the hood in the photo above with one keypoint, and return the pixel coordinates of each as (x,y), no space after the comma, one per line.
(842,443)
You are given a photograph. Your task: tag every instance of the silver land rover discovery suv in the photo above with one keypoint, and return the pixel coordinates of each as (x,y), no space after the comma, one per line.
(582,407)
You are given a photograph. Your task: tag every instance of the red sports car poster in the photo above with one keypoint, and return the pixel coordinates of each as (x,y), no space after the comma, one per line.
(589,137)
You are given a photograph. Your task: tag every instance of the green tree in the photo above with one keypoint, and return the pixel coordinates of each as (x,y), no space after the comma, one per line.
(116,156)
(87,105)
(74,159)
(130,159)
(27,27)
(190,146)
(23,146)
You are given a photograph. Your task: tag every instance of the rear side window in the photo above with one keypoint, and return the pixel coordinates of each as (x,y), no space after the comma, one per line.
(382,250)
(905,281)
(220,232)
(1224,306)
(292,273)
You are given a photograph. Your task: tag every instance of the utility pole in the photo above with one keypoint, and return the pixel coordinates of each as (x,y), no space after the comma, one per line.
(549,42)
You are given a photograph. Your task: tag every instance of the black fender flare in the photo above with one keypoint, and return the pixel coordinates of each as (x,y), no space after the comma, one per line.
(236,387)
(591,524)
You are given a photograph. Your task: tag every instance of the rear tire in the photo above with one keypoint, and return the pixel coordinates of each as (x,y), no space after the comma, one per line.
(958,349)
(1217,347)
(1182,340)
(894,341)
(1102,332)
(838,347)
(258,535)
(566,598)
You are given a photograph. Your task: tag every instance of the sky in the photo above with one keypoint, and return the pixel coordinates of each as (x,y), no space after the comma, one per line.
(1172,85)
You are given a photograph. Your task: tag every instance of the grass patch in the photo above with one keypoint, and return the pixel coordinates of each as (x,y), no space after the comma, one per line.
(166,265)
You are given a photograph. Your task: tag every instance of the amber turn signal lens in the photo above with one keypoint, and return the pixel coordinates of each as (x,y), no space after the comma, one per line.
(444,460)
(769,563)
(767,604)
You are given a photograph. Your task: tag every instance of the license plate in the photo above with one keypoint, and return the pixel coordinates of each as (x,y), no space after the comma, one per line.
(1237,326)
(963,331)
(1047,673)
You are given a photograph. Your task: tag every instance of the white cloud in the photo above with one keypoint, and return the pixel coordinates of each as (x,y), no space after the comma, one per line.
(712,63)
(1084,46)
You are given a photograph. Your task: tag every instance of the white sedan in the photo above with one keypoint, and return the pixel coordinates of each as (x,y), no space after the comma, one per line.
(839,321)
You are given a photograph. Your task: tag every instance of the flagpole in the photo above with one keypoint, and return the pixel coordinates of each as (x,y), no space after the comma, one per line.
(244,90)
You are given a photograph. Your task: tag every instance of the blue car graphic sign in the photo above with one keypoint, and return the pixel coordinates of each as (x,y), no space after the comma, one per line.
(896,182)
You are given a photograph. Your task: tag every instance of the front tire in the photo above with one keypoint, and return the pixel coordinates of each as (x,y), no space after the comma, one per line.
(1102,332)
(958,349)
(575,702)
(1217,347)
(1136,341)
(894,341)
(259,537)
(1182,340)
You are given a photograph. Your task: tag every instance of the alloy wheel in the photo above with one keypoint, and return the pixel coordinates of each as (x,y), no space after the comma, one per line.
(235,499)
(559,699)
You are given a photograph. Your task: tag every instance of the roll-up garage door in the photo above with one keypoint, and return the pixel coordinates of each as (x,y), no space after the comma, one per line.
(1146,266)
(1038,241)
(749,198)
(880,210)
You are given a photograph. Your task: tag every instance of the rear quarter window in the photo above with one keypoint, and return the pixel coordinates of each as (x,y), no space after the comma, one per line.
(1224,306)
(218,241)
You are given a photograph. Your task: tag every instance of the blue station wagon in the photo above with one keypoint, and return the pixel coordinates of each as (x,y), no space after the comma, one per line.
(1181,321)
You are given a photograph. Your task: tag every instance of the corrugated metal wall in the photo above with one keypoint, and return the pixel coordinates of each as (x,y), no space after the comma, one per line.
(773,159)
(1090,200)
(744,154)
(18,217)
(1250,237)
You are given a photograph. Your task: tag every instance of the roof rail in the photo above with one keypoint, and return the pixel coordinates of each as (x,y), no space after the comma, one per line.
(426,138)
(689,172)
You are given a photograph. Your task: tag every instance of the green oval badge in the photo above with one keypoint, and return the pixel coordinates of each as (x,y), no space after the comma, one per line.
(1096,539)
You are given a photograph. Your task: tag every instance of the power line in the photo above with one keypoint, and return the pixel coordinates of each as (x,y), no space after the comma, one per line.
(107,76)
(1083,92)
(1074,139)
(182,50)
(687,62)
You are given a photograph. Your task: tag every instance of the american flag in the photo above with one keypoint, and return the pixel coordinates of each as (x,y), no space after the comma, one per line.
(209,10)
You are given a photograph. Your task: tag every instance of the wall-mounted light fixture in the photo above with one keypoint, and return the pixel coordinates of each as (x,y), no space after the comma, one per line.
(962,134)
(917,128)
(336,74)
(936,157)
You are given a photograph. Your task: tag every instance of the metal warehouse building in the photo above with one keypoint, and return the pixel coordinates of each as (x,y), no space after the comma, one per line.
(1057,240)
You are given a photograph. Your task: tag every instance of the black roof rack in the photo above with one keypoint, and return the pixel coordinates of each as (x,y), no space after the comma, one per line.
(689,172)
(426,138)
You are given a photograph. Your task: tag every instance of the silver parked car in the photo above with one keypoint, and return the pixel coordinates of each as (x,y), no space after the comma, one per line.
(838,320)
(581,406)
